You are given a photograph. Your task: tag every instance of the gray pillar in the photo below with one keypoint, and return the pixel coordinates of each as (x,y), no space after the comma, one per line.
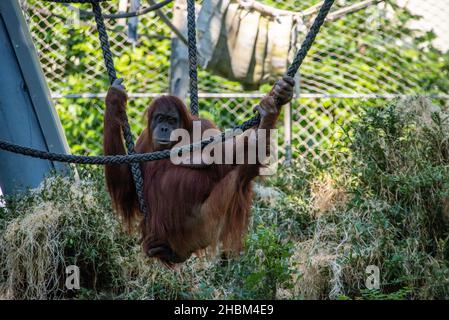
(288,134)
(27,115)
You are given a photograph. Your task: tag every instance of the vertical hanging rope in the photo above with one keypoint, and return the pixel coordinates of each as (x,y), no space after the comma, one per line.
(104,42)
(193,73)
(109,62)
(310,38)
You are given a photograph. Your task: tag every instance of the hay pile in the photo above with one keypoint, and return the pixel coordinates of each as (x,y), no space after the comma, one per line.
(40,232)
(32,250)
(63,223)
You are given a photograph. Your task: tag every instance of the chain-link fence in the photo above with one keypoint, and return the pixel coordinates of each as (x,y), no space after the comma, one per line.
(369,52)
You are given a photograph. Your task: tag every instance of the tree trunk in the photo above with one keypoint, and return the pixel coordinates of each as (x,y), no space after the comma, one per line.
(179,64)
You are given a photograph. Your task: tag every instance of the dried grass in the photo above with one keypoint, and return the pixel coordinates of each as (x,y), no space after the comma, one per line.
(33,243)
(326,195)
(267,195)
(34,253)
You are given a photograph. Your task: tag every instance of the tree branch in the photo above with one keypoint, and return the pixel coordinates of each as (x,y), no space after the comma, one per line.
(313,9)
(351,9)
(168,22)
(90,14)
(270,11)
(264,9)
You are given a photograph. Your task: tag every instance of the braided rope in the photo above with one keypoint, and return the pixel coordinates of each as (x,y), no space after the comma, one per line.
(104,42)
(125,159)
(158,155)
(310,38)
(193,73)
(109,62)
(156,6)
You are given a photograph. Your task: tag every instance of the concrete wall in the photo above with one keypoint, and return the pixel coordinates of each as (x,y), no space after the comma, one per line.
(27,116)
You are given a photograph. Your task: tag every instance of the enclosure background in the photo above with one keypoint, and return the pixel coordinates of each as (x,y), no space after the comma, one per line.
(386,51)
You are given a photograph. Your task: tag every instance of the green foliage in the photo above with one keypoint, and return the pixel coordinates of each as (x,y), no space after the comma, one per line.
(400,158)
(357,53)
(265,265)
(401,294)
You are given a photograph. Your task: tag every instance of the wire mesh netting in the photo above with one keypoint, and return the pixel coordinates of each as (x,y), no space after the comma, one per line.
(363,57)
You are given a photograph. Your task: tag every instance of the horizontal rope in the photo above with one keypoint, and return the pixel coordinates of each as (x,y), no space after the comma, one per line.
(90,14)
(123,159)
(77,1)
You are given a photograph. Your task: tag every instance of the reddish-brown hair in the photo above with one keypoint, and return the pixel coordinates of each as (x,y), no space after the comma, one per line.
(189,209)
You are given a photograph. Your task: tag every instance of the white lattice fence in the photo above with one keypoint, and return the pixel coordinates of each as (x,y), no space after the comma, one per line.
(354,58)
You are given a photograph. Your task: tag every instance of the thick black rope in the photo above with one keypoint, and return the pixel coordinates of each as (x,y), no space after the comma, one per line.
(310,38)
(158,155)
(109,62)
(104,42)
(123,159)
(193,70)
